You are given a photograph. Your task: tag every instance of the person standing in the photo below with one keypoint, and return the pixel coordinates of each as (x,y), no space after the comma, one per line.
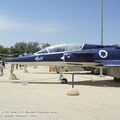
(3,62)
(1,68)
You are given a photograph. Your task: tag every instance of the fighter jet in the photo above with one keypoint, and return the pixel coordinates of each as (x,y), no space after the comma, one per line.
(85,55)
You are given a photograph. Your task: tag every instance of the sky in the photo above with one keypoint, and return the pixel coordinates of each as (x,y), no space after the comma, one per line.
(58,21)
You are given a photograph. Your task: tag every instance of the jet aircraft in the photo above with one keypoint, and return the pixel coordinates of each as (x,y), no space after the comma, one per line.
(85,55)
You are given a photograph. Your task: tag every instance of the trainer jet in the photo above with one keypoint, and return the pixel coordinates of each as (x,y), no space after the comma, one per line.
(85,55)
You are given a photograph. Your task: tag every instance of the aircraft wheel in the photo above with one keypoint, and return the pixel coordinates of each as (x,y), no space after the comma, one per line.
(58,72)
(64,81)
(116,79)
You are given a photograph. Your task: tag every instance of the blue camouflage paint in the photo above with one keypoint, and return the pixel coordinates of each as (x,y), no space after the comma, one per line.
(89,53)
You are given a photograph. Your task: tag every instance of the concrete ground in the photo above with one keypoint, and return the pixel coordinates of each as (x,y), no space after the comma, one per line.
(39,95)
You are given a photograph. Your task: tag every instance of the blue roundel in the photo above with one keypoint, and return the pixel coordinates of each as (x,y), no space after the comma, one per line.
(103,53)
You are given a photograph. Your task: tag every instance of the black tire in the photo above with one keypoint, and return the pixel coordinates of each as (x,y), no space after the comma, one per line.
(64,81)
(58,72)
(116,79)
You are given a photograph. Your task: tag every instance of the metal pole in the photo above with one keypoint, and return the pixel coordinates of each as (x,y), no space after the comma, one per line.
(101,70)
(72,80)
(102,22)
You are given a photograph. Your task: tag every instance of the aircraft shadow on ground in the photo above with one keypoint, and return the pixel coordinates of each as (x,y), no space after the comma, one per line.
(101,83)
(43,73)
(40,82)
(62,73)
(44,83)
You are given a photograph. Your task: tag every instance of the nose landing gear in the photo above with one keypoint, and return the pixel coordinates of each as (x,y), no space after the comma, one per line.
(64,81)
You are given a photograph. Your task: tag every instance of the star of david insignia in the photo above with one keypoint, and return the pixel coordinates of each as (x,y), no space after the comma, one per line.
(103,53)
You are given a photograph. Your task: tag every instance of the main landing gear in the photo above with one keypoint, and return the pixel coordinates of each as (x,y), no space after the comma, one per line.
(116,79)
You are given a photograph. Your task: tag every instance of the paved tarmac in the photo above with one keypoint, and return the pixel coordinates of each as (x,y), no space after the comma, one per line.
(39,95)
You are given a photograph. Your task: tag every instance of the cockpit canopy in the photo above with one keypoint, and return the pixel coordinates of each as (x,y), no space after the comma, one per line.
(60,48)
(73,47)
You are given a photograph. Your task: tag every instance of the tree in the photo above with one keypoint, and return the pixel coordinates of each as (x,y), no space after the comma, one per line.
(20,47)
(33,47)
(1,49)
(44,45)
(23,47)
(6,50)
(12,50)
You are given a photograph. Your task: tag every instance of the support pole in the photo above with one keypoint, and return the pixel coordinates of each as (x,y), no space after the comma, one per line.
(25,69)
(101,70)
(73,80)
(102,22)
(101,73)
(12,76)
(73,91)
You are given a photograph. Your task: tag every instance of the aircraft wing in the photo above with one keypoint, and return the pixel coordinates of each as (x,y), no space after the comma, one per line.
(109,63)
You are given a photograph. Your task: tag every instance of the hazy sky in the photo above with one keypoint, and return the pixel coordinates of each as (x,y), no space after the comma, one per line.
(58,21)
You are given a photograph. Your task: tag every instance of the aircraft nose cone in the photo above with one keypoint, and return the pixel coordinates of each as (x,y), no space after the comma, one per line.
(21,59)
(8,59)
(11,59)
